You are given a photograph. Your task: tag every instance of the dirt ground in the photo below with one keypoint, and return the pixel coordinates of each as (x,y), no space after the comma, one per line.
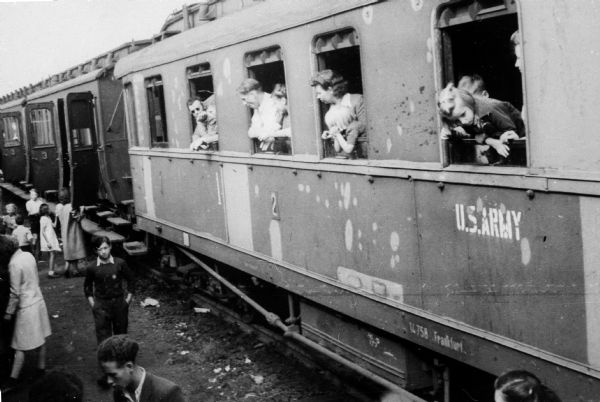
(211,360)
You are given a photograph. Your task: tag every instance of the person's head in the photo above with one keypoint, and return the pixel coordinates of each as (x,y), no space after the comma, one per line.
(473,84)
(329,86)
(515,40)
(116,356)
(211,108)
(64,196)
(11,209)
(33,194)
(196,108)
(102,246)
(279,94)
(44,210)
(57,386)
(522,386)
(8,246)
(457,105)
(19,220)
(251,93)
(338,116)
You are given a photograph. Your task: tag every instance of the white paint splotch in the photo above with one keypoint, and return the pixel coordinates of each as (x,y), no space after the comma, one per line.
(349,235)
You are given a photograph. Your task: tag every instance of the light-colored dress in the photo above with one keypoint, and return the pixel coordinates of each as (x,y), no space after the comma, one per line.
(71,233)
(48,239)
(32,325)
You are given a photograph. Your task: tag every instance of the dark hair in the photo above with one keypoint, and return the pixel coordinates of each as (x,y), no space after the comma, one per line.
(98,240)
(8,246)
(57,386)
(330,79)
(249,84)
(44,210)
(19,220)
(119,349)
(64,195)
(523,386)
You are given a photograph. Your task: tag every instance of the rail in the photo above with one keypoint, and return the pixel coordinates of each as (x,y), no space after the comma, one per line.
(289,331)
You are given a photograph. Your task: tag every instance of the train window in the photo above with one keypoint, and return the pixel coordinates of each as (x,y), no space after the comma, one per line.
(338,85)
(130,115)
(11,131)
(203,109)
(156,110)
(41,126)
(266,67)
(477,54)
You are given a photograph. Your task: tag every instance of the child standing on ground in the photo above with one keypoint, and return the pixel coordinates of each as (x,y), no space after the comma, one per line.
(33,211)
(23,234)
(48,239)
(8,220)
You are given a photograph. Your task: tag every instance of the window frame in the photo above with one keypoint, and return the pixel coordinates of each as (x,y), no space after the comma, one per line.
(190,77)
(150,85)
(444,69)
(130,114)
(248,66)
(318,66)
(19,118)
(49,106)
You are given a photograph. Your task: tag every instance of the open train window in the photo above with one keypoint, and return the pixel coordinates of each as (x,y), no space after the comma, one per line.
(40,120)
(266,66)
(340,52)
(203,108)
(156,110)
(477,53)
(11,130)
(130,115)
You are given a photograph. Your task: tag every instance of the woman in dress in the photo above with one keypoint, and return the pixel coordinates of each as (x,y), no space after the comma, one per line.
(27,305)
(71,232)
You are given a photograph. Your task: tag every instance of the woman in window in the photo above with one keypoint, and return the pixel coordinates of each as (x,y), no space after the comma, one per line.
(346,117)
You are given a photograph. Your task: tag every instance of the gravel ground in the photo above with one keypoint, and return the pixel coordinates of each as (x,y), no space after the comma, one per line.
(212,360)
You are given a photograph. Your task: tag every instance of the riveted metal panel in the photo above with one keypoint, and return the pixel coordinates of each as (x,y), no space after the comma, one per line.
(494,259)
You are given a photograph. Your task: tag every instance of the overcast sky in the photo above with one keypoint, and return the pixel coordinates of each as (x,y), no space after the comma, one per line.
(41,38)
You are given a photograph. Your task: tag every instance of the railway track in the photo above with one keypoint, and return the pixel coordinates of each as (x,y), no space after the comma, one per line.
(335,374)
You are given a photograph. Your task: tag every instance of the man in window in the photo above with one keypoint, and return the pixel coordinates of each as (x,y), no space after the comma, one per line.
(266,116)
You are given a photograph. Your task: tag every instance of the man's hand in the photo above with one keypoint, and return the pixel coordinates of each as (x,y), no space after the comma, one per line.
(128,298)
(91,301)
(500,147)
(508,135)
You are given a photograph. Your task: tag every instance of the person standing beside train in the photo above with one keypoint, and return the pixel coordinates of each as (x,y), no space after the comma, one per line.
(346,117)
(266,117)
(522,386)
(33,211)
(70,232)
(103,288)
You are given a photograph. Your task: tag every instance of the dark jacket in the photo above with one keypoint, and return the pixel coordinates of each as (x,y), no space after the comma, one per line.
(155,389)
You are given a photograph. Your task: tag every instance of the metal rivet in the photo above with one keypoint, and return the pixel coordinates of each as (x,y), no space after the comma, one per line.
(371,179)
(250,167)
(295,172)
(530,194)
(441,185)
(319,175)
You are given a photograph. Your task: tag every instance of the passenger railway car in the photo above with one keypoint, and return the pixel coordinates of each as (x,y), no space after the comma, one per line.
(410,260)
(68,131)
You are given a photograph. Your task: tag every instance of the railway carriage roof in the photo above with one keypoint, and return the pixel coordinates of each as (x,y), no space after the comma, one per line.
(253,22)
(82,79)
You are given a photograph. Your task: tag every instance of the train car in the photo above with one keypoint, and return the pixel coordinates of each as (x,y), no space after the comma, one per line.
(418,259)
(71,133)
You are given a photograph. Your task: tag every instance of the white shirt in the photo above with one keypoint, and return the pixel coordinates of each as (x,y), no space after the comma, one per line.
(265,118)
(99,262)
(33,207)
(138,390)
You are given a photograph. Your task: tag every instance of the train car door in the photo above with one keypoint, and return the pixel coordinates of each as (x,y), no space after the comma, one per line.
(83,146)
(64,144)
(13,162)
(44,163)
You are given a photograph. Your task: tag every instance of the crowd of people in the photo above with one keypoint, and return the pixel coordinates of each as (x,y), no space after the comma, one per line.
(108,288)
